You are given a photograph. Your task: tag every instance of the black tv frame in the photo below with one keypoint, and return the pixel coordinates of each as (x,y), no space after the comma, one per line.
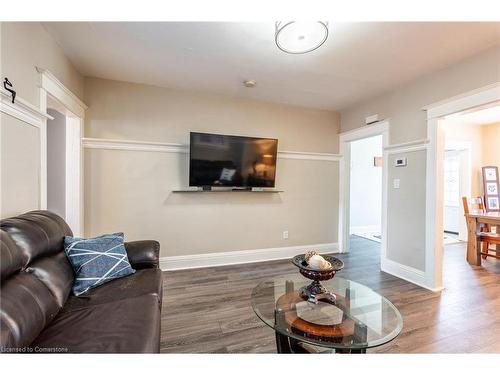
(209,187)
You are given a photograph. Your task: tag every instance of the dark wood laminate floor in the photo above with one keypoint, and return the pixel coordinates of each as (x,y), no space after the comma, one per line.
(208,310)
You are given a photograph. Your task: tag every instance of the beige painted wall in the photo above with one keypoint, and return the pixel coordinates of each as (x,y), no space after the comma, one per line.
(491,144)
(131,191)
(25,46)
(403,106)
(19,166)
(406,211)
(124,110)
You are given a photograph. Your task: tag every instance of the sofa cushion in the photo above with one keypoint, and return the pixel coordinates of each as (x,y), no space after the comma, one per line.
(124,326)
(142,282)
(37,233)
(143,254)
(27,306)
(96,260)
(56,273)
(11,257)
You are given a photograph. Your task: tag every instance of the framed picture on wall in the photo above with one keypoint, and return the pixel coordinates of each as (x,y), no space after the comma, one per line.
(491,188)
(493,204)
(490,173)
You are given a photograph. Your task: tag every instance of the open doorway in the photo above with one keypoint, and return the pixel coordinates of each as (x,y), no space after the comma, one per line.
(437,114)
(63,163)
(471,142)
(366,188)
(366,200)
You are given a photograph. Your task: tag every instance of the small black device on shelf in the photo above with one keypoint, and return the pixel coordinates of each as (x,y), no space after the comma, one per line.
(217,160)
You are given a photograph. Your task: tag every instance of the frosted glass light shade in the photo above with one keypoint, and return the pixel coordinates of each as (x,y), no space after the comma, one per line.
(298,37)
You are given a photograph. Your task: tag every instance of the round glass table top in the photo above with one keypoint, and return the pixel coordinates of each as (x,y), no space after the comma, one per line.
(359,319)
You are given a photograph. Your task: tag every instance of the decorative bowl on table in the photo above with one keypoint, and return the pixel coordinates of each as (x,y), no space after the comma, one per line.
(315,291)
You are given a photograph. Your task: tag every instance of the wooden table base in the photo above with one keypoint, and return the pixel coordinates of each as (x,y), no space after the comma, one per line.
(286,318)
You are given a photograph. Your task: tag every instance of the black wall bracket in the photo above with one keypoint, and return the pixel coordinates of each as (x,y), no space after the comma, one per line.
(10,89)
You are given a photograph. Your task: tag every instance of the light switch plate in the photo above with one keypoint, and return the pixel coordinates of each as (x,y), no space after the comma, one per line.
(396,182)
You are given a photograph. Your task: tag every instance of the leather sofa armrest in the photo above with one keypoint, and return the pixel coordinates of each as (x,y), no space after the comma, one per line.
(143,254)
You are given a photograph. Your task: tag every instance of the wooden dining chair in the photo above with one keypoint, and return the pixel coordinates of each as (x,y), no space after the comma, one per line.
(485,237)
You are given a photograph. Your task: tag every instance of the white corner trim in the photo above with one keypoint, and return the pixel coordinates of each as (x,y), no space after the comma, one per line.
(56,88)
(407,273)
(117,144)
(464,101)
(134,145)
(22,110)
(309,155)
(74,175)
(407,147)
(182,262)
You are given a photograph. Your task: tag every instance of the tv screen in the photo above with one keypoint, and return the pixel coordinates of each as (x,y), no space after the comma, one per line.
(232,161)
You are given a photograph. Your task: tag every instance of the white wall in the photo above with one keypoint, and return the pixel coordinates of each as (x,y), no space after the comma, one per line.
(56,163)
(366,185)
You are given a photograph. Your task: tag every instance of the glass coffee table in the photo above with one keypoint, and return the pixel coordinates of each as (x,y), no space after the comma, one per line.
(359,319)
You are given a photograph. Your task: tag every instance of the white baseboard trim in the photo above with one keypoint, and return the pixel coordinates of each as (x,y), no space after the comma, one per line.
(407,273)
(182,262)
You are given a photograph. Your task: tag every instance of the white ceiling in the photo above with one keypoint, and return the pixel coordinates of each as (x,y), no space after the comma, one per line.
(359,60)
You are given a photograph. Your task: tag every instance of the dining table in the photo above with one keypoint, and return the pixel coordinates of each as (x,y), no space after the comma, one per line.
(475,219)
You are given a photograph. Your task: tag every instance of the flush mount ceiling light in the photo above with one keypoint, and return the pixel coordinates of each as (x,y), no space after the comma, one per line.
(299,37)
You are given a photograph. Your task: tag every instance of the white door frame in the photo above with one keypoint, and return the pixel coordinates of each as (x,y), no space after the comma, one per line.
(75,114)
(434,175)
(345,139)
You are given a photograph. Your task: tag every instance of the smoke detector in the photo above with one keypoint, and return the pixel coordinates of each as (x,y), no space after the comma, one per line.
(250,83)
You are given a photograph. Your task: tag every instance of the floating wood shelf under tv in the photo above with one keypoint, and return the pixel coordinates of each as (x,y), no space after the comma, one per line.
(234,190)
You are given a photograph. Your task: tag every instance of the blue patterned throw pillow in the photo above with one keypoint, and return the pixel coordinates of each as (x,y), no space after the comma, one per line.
(96,260)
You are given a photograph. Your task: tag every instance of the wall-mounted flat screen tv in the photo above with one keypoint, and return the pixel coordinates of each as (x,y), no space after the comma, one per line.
(232,161)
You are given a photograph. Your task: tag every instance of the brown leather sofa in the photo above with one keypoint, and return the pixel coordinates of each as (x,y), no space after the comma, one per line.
(38,312)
